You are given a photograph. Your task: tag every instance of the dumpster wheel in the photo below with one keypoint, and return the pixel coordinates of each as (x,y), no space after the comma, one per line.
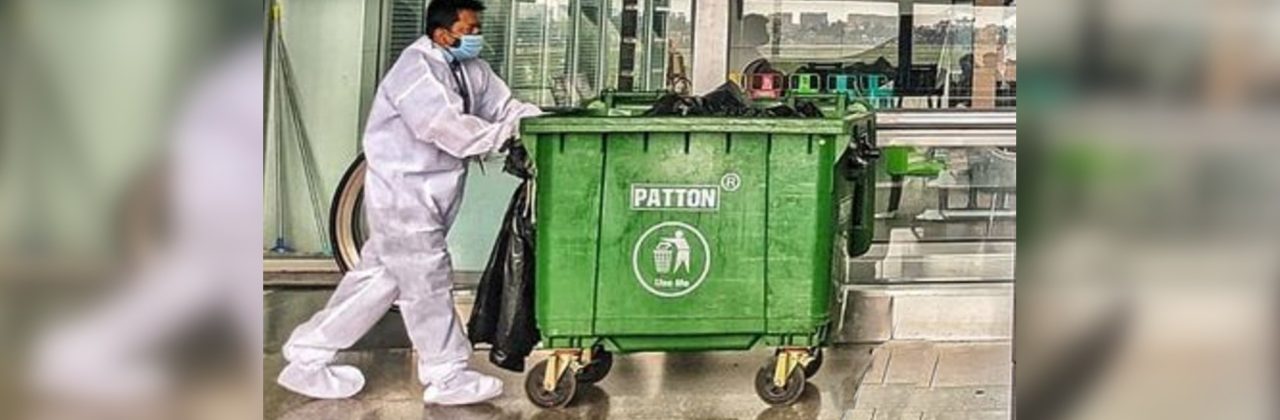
(785,391)
(599,364)
(815,363)
(772,394)
(565,383)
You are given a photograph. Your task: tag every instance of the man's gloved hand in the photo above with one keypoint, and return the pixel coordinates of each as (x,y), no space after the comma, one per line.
(511,143)
(517,162)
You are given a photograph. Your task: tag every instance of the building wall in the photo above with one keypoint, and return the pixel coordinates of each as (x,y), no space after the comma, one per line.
(325,39)
(334,50)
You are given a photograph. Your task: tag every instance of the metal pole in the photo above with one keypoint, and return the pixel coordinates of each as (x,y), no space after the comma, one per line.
(602,53)
(266,76)
(646,29)
(575,10)
(906,22)
(509,61)
(546,49)
(281,207)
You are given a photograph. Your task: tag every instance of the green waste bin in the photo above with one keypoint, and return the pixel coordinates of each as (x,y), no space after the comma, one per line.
(693,234)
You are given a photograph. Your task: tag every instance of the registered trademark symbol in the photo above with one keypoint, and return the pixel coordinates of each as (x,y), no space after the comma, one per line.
(731,182)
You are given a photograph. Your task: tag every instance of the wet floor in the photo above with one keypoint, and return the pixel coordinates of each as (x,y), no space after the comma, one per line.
(918,381)
(640,386)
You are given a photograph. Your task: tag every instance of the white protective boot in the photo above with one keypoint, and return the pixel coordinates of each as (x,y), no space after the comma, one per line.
(462,388)
(322,381)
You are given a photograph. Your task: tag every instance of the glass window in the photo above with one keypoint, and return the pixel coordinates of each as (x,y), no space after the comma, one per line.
(405,24)
(790,33)
(561,52)
(859,47)
(538,51)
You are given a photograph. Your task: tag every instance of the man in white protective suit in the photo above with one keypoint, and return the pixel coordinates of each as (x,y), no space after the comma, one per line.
(438,106)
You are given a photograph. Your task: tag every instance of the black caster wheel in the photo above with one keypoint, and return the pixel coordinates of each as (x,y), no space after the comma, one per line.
(558,398)
(774,395)
(815,364)
(601,363)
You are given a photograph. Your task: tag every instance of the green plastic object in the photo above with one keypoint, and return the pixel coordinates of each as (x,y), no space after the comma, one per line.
(906,161)
(877,91)
(843,84)
(696,234)
(805,83)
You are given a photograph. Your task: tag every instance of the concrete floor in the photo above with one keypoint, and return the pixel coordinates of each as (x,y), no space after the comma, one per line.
(891,381)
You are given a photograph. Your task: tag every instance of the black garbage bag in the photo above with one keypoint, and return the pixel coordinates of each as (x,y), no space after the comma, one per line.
(781,111)
(808,109)
(673,104)
(727,100)
(503,312)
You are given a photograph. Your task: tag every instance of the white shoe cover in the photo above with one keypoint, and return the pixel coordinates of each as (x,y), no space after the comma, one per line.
(322,381)
(462,388)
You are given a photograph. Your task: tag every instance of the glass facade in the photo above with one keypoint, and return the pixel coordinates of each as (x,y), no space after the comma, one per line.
(898,54)
(556,53)
(946,189)
(559,52)
(944,183)
(954,54)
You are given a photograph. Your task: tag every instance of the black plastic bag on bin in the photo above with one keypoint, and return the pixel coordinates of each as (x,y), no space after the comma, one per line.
(503,312)
(727,100)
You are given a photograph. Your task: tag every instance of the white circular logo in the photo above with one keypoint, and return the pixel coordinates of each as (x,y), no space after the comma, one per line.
(671,259)
(731,182)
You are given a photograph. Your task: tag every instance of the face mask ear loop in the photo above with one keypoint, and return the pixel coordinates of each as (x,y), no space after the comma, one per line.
(456,42)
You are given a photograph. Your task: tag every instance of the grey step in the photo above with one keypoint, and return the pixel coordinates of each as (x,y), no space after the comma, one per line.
(931,312)
(907,261)
(938,291)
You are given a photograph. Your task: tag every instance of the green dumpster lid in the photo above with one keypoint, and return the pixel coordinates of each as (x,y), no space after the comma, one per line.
(621,124)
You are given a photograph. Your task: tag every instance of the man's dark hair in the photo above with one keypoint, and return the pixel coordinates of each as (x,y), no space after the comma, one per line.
(444,13)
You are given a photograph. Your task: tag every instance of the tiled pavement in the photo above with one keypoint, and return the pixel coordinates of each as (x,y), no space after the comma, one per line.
(918,381)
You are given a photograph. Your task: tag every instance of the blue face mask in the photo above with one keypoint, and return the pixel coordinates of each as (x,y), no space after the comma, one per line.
(468,47)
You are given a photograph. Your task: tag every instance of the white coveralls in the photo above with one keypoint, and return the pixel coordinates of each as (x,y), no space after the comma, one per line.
(420,132)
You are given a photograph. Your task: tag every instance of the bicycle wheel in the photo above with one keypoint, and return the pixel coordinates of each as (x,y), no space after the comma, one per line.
(347,228)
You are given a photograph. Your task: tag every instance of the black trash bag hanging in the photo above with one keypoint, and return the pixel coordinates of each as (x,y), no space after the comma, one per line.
(727,100)
(503,312)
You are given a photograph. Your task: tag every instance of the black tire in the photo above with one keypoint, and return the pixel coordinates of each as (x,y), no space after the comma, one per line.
(601,363)
(773,395)
(566,387)
(346,235)
(812,368)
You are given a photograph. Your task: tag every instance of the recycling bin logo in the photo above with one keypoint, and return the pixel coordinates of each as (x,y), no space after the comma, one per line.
(671,259)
